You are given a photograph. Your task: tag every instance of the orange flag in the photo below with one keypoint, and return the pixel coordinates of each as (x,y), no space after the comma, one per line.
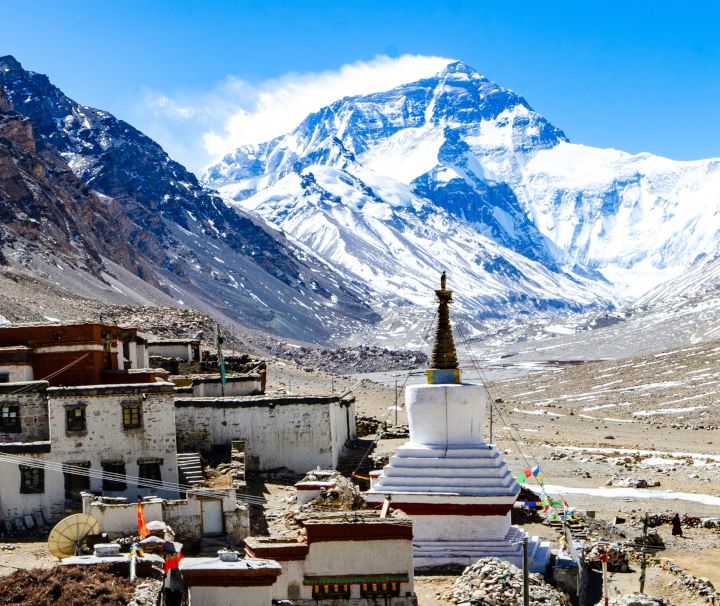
(142,528)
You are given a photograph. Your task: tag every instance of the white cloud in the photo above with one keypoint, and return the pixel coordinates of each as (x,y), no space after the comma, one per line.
(200,128)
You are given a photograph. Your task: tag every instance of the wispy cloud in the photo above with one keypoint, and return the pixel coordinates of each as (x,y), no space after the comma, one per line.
(200,128)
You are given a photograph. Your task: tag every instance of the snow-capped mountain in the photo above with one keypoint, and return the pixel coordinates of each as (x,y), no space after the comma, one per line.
(455,172)
(180,242)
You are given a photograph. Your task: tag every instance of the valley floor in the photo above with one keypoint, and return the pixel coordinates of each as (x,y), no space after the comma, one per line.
(588,428)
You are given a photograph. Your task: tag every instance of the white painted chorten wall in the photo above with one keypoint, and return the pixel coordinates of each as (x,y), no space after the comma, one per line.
(457,489)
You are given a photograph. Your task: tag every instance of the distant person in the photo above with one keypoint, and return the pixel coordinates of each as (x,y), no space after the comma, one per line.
(676,528)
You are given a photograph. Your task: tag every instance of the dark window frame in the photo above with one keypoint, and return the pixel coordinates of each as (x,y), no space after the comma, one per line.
(6,426)
(68,416)
(116,467)
(32,480)
(150,470)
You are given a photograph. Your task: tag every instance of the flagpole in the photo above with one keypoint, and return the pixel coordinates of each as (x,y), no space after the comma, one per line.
(221,360)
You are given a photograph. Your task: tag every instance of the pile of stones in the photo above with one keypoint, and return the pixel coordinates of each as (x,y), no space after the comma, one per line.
(623,482)
(702,587)
(494,582)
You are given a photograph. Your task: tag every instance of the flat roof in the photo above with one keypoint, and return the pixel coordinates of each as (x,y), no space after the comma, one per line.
(218,564)
(153,340)
(250,401)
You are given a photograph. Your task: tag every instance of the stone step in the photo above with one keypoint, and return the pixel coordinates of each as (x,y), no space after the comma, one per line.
(190,468)
(440,453)
(390,477)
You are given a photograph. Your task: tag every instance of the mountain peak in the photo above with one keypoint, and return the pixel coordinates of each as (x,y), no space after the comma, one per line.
(8,62)
(460,68)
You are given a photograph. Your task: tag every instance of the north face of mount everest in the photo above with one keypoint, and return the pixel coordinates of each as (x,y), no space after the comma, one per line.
(348,220)
(458,173)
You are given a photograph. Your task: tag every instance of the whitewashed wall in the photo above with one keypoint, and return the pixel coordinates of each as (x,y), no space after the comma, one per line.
(17,372)
(246,385)
(14,504)
(107,440)
(333,558)
(230,596)
(294,432)
(182,351)
(184,516)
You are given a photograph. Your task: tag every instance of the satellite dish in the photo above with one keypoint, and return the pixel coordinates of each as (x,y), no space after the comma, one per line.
(68,537)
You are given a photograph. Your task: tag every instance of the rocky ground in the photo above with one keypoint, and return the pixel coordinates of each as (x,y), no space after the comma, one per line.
(618,438)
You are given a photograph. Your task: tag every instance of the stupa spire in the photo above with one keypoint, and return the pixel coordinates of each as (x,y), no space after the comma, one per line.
(444,362)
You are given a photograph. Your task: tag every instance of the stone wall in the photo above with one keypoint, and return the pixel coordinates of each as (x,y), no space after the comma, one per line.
(31,398)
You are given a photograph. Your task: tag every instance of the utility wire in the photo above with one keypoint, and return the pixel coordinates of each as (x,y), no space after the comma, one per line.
(407,377)
(493,403)
(116,477)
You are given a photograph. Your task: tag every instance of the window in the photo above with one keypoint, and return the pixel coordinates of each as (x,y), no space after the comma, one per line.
(75,418)
(113,483)
(149,470)
(32,480)
(132,416)
(10,419)
(4,377)
(77,479)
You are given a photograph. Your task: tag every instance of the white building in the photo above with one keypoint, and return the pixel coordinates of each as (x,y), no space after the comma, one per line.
(229,580)
(124,430)
(343,558)
(456,487)
(187,350)
(296,432)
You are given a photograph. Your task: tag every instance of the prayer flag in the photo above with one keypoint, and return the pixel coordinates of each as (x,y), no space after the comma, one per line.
(172,562)
(527,473)
(142,528)
(520,478)
(536,471)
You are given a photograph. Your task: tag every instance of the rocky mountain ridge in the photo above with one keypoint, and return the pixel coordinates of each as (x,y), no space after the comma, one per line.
(184,243)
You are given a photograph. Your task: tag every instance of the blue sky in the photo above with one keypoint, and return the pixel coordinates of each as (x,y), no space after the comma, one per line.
(636,76)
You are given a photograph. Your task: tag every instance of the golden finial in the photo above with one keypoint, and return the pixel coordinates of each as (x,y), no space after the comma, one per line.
(444,362)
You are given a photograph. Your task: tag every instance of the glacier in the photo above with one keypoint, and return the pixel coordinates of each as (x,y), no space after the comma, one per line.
(454,172)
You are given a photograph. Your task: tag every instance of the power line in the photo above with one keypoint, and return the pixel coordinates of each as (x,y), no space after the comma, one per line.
(55,467)
(490,395)
(407,377)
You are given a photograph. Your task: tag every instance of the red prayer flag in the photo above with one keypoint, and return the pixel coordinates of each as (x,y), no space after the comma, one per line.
(172,562)
(142,528)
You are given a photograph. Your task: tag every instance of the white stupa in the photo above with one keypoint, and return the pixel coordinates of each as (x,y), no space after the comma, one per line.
(456,488)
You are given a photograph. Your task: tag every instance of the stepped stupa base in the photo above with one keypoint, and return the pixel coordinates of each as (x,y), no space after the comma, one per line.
(429,555)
